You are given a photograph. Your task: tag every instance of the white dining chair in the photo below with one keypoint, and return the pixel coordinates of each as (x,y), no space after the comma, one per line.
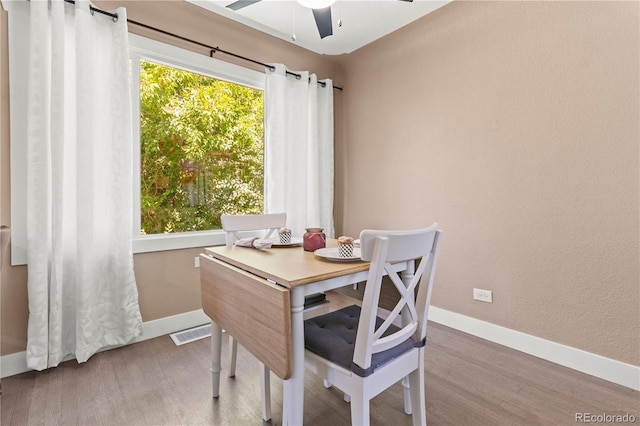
(233,225)
(363,354)
(268,225)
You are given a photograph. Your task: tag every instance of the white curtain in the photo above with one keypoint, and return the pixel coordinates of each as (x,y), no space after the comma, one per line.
(81,285)
(299,150)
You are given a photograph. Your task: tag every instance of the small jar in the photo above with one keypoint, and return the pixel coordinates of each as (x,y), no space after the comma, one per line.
(285,236)
(314,239)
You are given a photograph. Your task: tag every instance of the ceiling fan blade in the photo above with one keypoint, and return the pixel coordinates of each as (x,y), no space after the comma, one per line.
(323,21)
(407,0)
(241,3)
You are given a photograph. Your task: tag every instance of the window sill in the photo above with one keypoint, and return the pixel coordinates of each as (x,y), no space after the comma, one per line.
(183,240)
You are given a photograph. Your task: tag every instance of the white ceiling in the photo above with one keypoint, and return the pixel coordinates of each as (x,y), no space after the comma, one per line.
(363,21)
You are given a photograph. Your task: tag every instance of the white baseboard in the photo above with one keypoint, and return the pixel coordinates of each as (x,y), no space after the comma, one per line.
(605,368)
(16,363)
(13,364)
(596,365)
(168,325)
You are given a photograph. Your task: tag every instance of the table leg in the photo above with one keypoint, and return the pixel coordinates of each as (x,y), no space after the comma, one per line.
(293,389)
(216,356)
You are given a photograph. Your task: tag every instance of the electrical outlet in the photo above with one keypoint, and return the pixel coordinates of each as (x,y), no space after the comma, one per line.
(483,295)
(197,262)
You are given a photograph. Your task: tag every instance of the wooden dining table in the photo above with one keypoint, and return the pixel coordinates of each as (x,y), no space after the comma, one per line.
(258,297)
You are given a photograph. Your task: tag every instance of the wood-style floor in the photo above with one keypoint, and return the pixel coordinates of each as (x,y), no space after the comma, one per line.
(469,381)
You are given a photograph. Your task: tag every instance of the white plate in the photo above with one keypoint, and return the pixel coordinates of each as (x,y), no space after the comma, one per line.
(331,253)
(294,242)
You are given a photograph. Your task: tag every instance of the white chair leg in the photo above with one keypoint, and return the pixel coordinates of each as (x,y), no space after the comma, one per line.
(265,389)
(416,379)
(359,410)
(346,397)
(233,354)
(407,395)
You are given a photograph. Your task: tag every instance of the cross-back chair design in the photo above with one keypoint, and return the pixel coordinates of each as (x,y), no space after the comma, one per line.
(363,354)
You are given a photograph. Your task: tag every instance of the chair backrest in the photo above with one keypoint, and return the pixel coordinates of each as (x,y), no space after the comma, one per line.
(382,249)
(233,224)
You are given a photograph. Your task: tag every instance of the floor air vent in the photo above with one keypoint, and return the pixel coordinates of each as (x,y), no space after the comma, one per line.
(191,335)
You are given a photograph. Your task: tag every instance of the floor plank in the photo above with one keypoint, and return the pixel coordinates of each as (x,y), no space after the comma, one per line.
(469,381)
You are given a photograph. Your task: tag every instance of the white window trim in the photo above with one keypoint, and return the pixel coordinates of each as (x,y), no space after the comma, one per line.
(18,32)
(141,47)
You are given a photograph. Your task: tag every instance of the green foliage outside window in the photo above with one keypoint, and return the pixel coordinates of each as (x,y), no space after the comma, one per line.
(202,150)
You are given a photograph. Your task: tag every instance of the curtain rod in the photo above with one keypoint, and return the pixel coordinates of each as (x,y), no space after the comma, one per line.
(212,49)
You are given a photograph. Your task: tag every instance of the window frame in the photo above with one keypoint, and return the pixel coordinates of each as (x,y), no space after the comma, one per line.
(18,43)
(165,54)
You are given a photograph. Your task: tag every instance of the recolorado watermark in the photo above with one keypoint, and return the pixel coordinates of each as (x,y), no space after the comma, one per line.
(605,418)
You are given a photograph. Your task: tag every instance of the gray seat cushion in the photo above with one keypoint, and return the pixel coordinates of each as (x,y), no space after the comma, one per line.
(333,337)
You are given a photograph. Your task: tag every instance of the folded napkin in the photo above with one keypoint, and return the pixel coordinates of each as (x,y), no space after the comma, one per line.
(257,243)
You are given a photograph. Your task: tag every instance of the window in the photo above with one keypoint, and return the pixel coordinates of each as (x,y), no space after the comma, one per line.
(201,145)
(200,230)
(201,149)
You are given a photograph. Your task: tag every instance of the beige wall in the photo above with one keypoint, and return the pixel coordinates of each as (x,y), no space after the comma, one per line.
(513,125)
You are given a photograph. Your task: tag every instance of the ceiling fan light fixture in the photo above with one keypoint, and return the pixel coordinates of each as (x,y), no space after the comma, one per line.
(316,4)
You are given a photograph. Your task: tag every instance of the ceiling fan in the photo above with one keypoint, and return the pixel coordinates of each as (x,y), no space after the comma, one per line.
(321,12)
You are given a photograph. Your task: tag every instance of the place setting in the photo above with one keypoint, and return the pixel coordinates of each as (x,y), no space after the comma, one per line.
(314,240)
(285,239)
(347,251)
